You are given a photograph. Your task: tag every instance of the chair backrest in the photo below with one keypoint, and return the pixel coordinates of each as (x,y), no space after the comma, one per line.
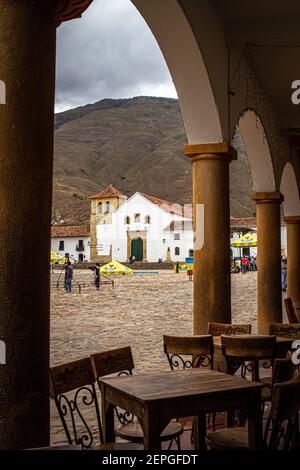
(189,351)
(285,408)
(246,351)
(283,370)
(72,387)
(218,329)
(291,314)
(285,330)
(114,361)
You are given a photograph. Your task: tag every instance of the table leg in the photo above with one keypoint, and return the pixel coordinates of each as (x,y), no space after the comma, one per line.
(255,432)
(107,418)
(200,432)
(153,423)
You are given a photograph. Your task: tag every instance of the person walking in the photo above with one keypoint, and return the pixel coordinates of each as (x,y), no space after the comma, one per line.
(68,276)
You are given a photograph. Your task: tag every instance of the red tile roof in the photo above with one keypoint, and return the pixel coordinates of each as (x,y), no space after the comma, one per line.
(70,231)
(247,222)
(110,191)
(184,211)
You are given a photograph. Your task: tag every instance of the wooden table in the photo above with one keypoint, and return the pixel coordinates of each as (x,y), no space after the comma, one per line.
(158,397)
(283,345)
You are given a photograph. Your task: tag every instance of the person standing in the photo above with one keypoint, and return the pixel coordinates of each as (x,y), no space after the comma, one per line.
(283,274)
(97,276)
(244,265)
(68,276)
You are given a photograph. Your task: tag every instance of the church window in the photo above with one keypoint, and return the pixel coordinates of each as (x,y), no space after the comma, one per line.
(177,251)
(137,217)
(107,207)
(147,219)
(127,220)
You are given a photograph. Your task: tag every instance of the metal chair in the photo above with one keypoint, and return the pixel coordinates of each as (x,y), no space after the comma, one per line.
(72,387)
(291,314)
(120,362)
(282,427)
(218,329)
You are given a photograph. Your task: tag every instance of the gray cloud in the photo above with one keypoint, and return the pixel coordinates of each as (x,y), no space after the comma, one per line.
(108,53)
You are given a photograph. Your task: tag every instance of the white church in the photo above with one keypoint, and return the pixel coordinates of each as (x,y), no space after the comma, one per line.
(142,226)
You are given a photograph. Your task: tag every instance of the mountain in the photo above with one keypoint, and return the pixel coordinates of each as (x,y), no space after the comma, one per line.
(135,145)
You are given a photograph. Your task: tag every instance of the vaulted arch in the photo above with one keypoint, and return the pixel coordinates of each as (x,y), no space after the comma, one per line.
(251,138)
(290,191)
(185,61)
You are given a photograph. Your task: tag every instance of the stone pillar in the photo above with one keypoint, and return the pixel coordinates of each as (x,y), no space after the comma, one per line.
(27,67)
(293,252)
(212,295)
(268,259)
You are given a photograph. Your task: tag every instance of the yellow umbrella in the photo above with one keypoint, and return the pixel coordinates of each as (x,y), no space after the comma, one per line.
(115,268)
(250,239)
(57,258)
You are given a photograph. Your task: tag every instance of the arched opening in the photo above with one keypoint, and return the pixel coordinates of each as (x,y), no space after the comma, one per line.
(250,138)
(290,191)
(137,249)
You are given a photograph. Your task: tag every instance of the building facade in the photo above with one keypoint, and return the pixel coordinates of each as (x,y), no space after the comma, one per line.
(139,227)
(71,241)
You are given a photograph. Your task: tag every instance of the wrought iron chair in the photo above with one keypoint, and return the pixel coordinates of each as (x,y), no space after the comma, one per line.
(289,307)
(120,362)
(188,352)
(282,426)
(246,352)
(218,329)
(72,387)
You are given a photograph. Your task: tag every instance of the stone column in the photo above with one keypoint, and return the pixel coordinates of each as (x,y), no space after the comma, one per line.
(293,252)
(212,295)
(268,259)
(27,67)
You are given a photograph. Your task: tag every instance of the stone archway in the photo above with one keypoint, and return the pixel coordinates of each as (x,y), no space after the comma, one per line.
(250,137)
(290,190)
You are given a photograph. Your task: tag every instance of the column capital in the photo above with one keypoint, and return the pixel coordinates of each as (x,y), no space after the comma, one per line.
(292,219)
(219,151)
(265,197)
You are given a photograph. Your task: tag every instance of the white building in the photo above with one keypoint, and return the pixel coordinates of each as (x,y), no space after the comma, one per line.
(72,241)
(143,226)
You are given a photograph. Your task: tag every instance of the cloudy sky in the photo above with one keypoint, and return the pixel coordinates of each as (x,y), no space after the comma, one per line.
(109,53)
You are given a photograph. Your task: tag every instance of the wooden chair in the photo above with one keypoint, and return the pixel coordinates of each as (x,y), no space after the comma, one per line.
(72,387)
(218,329)
(282,427)
(120,362)
(291,314)
(285,330)
(245,352)
(189,351)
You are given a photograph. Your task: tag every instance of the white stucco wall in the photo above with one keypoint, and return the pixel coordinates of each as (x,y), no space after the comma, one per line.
(70,247)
